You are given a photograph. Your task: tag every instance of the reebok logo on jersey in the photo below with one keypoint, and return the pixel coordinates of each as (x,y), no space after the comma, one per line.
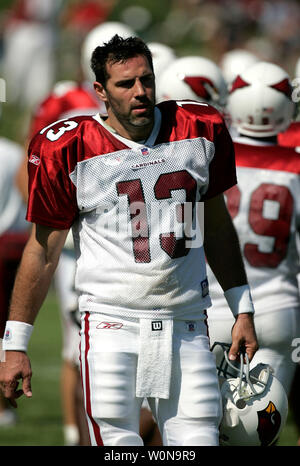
(110,325)
(138,166)
(34,159)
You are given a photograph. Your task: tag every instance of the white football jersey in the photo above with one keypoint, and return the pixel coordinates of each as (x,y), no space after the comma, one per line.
(265,207)
(125,201)
(12,208)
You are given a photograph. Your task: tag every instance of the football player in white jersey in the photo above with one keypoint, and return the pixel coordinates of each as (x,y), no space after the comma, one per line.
(132,185)
(265,209)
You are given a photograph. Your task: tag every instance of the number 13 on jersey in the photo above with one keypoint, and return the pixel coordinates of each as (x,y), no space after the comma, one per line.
(141,225)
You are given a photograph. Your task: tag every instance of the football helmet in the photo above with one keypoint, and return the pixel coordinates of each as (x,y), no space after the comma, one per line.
(260,101)
(192,77)
(235,62)
(162,56)
(255,404)
(98,36)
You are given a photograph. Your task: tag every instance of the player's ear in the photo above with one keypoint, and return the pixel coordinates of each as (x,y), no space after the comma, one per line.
(100,91)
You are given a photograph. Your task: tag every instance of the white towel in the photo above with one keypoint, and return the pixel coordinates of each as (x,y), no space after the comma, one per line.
(155,359)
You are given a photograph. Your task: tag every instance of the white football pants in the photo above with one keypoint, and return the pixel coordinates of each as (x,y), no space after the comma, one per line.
(109,358)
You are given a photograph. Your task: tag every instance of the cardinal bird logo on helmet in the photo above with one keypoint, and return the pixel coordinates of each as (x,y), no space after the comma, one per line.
(269,421)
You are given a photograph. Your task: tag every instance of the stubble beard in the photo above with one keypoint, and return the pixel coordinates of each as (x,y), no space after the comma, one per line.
(141,121)
(131,121)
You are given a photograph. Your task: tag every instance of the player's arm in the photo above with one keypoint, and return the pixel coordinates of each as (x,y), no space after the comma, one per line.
(32,282)
(223,255)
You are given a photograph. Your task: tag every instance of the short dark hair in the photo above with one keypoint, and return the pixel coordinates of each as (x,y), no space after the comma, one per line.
(116,50)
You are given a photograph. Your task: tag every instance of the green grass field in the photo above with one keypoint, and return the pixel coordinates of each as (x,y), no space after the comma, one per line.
(40,418)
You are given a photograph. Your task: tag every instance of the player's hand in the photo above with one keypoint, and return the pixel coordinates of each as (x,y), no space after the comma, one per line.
(244,338)
(16,366)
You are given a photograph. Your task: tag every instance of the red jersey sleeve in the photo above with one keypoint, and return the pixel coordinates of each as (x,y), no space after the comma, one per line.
(52,195)
(222,169)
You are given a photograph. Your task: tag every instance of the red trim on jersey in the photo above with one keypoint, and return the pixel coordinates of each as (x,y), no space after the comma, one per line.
(272,157)
(96,427)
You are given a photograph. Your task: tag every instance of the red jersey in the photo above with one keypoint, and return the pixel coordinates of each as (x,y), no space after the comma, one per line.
(291,136)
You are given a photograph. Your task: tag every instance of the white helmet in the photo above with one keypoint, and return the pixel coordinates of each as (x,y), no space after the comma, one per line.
(162,56)
(235,62)
(195,78)
(98,36)
(260,102)
(255,404)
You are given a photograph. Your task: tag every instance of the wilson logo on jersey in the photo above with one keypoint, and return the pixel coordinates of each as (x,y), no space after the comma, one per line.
(156,325)
(111,325)
(35,159)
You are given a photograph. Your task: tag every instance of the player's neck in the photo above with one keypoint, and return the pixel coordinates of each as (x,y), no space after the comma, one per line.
(133,133)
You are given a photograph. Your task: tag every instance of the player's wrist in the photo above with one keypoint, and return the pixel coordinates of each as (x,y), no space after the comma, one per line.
(239,300)
(16,336)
